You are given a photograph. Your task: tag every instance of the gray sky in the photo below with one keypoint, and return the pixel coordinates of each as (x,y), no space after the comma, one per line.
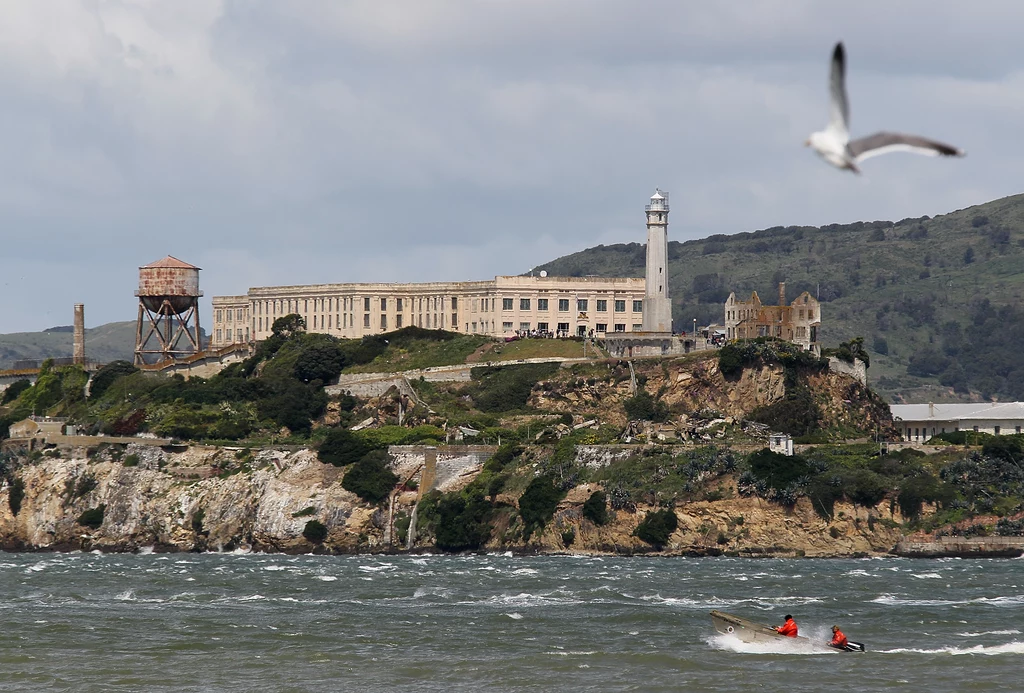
(302,142)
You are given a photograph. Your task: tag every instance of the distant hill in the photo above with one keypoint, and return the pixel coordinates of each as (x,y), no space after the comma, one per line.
(115,340)
(938,300)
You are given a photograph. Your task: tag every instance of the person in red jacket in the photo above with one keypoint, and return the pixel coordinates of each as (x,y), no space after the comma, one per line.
(788,628)
(838,639)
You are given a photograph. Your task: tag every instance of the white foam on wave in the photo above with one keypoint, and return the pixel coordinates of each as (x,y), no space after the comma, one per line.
(731,643)
(927,576)
(126,596)
(515,616)
(989,632)
(273,568)
(326,578)
(891,600)
(572,653)
(525,599)
(525,571)
(430,592)
(1014,647)
(376,568)
(145,551)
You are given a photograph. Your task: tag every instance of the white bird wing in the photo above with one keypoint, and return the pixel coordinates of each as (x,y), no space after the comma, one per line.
(839,107)
(885,142)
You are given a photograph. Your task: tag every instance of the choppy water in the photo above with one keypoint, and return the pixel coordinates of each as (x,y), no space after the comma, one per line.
(247,622)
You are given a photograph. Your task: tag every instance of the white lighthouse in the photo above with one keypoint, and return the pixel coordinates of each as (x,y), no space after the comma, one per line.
(657,306)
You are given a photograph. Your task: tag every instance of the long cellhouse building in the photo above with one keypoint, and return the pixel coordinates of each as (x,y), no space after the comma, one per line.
(506,305)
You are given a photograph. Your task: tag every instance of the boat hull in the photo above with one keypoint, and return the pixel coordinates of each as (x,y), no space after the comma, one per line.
(746,630)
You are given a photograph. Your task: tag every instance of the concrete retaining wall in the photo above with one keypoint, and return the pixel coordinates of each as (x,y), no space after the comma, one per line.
(973,547)
(453,462)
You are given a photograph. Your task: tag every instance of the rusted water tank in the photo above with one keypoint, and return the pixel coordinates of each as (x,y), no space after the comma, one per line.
(170,280)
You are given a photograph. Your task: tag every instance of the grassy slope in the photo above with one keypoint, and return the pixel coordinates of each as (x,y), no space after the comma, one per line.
(422,353)
(115,340)
(856,277)
(536,348)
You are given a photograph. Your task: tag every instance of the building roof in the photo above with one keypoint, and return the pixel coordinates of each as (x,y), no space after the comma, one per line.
(170,261)
(958,411)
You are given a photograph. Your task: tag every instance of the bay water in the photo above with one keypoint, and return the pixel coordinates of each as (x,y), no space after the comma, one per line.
(264,622)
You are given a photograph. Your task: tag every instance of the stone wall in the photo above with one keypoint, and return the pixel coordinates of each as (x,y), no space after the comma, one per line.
(857,369)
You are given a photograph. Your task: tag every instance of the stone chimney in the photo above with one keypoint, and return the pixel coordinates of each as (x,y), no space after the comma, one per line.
(78,351)
(931,410)
(782,293)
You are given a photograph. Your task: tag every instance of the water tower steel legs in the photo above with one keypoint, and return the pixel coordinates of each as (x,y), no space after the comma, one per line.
(168,327)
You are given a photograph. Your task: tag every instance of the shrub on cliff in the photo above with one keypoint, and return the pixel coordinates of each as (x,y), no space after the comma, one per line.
(15,495)
(15,389)
(776,470)
(106,376)
(342,447)
(797,414)
(538,503)
(463,521)
(657,527)
(315,532)
(595,508)
(730,361)
(505,388)
(643,407)
(93,517)
(370,478)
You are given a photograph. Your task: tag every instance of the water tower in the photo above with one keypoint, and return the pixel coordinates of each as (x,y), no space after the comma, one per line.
(168,326)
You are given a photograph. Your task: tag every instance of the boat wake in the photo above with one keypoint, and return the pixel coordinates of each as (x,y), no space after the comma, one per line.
(731,643)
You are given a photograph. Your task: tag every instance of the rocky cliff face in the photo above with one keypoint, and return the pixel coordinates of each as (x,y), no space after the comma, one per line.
(166,503)
(209,498)
(695,384)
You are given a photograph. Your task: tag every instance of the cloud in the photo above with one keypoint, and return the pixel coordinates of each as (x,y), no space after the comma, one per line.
(299,142)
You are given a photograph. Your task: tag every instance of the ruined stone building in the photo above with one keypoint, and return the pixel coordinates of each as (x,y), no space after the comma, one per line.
(797,322)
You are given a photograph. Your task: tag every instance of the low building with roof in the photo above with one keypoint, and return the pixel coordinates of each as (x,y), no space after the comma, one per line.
(919,422)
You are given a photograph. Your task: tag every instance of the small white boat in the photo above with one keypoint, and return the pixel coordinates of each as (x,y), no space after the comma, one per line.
(752,631)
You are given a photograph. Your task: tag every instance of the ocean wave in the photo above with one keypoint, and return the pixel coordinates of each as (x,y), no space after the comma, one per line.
(891,600)
(927,576)
(515,616)
(376,568)
(326,578)
(1014,647)
(525,599)
(572,653)
(989,632)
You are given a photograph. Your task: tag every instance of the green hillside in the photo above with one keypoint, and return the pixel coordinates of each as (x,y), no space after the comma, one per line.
(110,342)
(938,300)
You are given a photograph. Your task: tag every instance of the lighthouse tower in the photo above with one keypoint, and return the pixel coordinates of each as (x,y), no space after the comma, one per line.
(657,306)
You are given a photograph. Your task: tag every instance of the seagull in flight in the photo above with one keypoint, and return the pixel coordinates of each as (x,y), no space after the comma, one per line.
(833,144)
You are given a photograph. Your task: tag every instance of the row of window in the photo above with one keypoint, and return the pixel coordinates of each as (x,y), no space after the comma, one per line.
(434,303)
(564,327)
(230,335)
(226,315)
(923,432)
(582,305)
(746,314)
